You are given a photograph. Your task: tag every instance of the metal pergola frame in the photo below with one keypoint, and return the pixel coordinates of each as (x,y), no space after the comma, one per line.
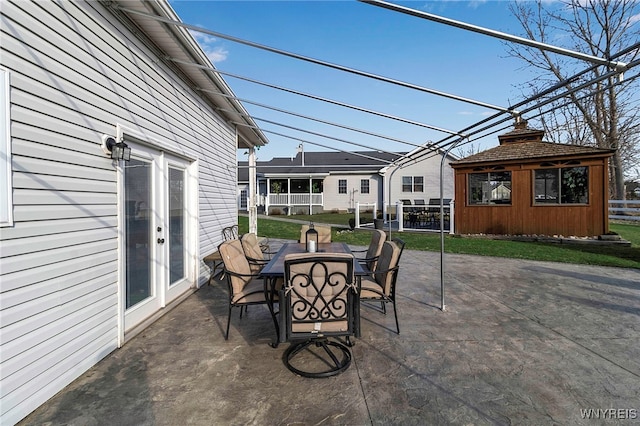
(426,150)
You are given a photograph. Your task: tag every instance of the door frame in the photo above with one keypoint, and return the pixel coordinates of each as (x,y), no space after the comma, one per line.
(169,157)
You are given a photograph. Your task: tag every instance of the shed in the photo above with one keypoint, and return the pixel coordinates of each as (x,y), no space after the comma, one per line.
(526,186)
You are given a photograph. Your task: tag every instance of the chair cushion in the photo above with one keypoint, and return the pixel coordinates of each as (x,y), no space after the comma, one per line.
(318,306)
(235,261)
(325,326)
(251,246)
(253,292)
(375,247)
(370,289)
(388,259)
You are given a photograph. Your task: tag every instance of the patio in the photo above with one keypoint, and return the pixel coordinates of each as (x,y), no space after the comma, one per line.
(520,342)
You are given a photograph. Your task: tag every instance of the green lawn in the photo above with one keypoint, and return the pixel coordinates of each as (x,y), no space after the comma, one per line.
(609,255)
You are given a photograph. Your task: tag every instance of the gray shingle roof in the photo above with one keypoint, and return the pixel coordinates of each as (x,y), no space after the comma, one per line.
(321,163)
(519,151)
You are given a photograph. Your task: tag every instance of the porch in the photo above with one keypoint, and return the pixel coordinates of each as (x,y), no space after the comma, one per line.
(519,342)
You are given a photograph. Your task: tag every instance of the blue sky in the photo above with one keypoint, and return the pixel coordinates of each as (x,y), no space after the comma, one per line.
(370,39)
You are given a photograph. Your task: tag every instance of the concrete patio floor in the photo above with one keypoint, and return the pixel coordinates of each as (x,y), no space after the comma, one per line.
(520,342)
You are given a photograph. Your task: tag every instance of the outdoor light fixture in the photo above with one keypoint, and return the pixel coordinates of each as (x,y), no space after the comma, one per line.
(312,239)
(116,150)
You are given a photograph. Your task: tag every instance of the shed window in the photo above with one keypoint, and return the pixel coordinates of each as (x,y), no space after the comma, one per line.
(490,188)
(567,185)
(342,186)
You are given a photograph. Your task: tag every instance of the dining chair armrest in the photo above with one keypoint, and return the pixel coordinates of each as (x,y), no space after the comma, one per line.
(367,259)
(238,274)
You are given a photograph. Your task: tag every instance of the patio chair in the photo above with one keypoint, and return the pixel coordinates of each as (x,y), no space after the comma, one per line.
(318,305)
(230,233)
(214,260)
(256,256)
(381,285)
(378,237)
(245,287)
(324,233)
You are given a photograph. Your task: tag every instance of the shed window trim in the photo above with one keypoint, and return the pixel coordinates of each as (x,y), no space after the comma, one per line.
(6,199)
(489,188)
(561,186)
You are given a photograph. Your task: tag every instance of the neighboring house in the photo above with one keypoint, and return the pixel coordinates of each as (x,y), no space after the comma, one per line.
(336,181)
(529,187)
(94,249)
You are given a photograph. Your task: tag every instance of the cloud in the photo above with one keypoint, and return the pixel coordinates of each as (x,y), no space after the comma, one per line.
(635,18)
(215,54)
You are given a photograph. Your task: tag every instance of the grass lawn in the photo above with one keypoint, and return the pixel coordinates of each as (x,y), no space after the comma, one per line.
(606,255)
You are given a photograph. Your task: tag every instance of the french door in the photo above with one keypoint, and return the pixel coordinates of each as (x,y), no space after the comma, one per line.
(158,233)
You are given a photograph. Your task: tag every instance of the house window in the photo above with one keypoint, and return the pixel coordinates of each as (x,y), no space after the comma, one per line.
(342,186)
(6,200)
(418,184)
(490,188)
(364,186)
(567,185)
(412,184)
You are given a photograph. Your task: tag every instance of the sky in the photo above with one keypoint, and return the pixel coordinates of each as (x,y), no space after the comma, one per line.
(373,40)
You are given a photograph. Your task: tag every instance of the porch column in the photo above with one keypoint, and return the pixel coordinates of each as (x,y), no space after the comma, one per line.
(266,201)
(253,209)
(289,197)
(310,196)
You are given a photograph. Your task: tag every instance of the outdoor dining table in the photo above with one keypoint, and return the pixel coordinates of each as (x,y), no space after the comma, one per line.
(274,270)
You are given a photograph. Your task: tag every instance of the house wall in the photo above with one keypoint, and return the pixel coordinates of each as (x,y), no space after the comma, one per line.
(75,73)
(523,217)
(428,168)
(334,200)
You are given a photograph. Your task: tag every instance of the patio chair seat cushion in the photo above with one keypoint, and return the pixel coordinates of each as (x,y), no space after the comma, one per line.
(252,292)
(370,289)
(325,326)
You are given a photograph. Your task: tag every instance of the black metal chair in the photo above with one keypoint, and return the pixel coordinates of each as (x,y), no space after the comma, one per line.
(378,237)
(381,285)
(245,287)
(318,305)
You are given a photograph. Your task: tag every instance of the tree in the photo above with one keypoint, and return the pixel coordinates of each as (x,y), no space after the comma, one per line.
(604,113)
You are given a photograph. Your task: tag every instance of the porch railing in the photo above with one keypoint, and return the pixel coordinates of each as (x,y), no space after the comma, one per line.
(291,200)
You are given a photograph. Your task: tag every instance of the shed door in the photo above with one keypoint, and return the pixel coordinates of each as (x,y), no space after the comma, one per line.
(156,233)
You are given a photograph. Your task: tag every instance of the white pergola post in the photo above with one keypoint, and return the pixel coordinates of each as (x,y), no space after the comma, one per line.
(253,208)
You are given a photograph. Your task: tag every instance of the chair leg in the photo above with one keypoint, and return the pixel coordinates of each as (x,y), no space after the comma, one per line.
(395,313)
(226,336)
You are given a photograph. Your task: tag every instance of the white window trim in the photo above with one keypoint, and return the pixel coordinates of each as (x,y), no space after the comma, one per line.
(6,198)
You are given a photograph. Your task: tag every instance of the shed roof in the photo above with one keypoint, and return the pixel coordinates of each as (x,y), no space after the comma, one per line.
(527,151)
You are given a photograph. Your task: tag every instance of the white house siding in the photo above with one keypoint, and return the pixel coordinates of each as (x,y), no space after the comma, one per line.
(429,169)
(334,200)
(75,73)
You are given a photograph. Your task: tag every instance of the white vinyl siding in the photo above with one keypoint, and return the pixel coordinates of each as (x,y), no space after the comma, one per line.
(75,74)
(6,200)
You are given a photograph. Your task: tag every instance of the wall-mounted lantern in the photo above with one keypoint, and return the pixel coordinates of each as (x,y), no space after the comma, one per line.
(116,150)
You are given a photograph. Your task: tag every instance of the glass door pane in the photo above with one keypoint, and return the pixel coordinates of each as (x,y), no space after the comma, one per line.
(176,233)
(138,232)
